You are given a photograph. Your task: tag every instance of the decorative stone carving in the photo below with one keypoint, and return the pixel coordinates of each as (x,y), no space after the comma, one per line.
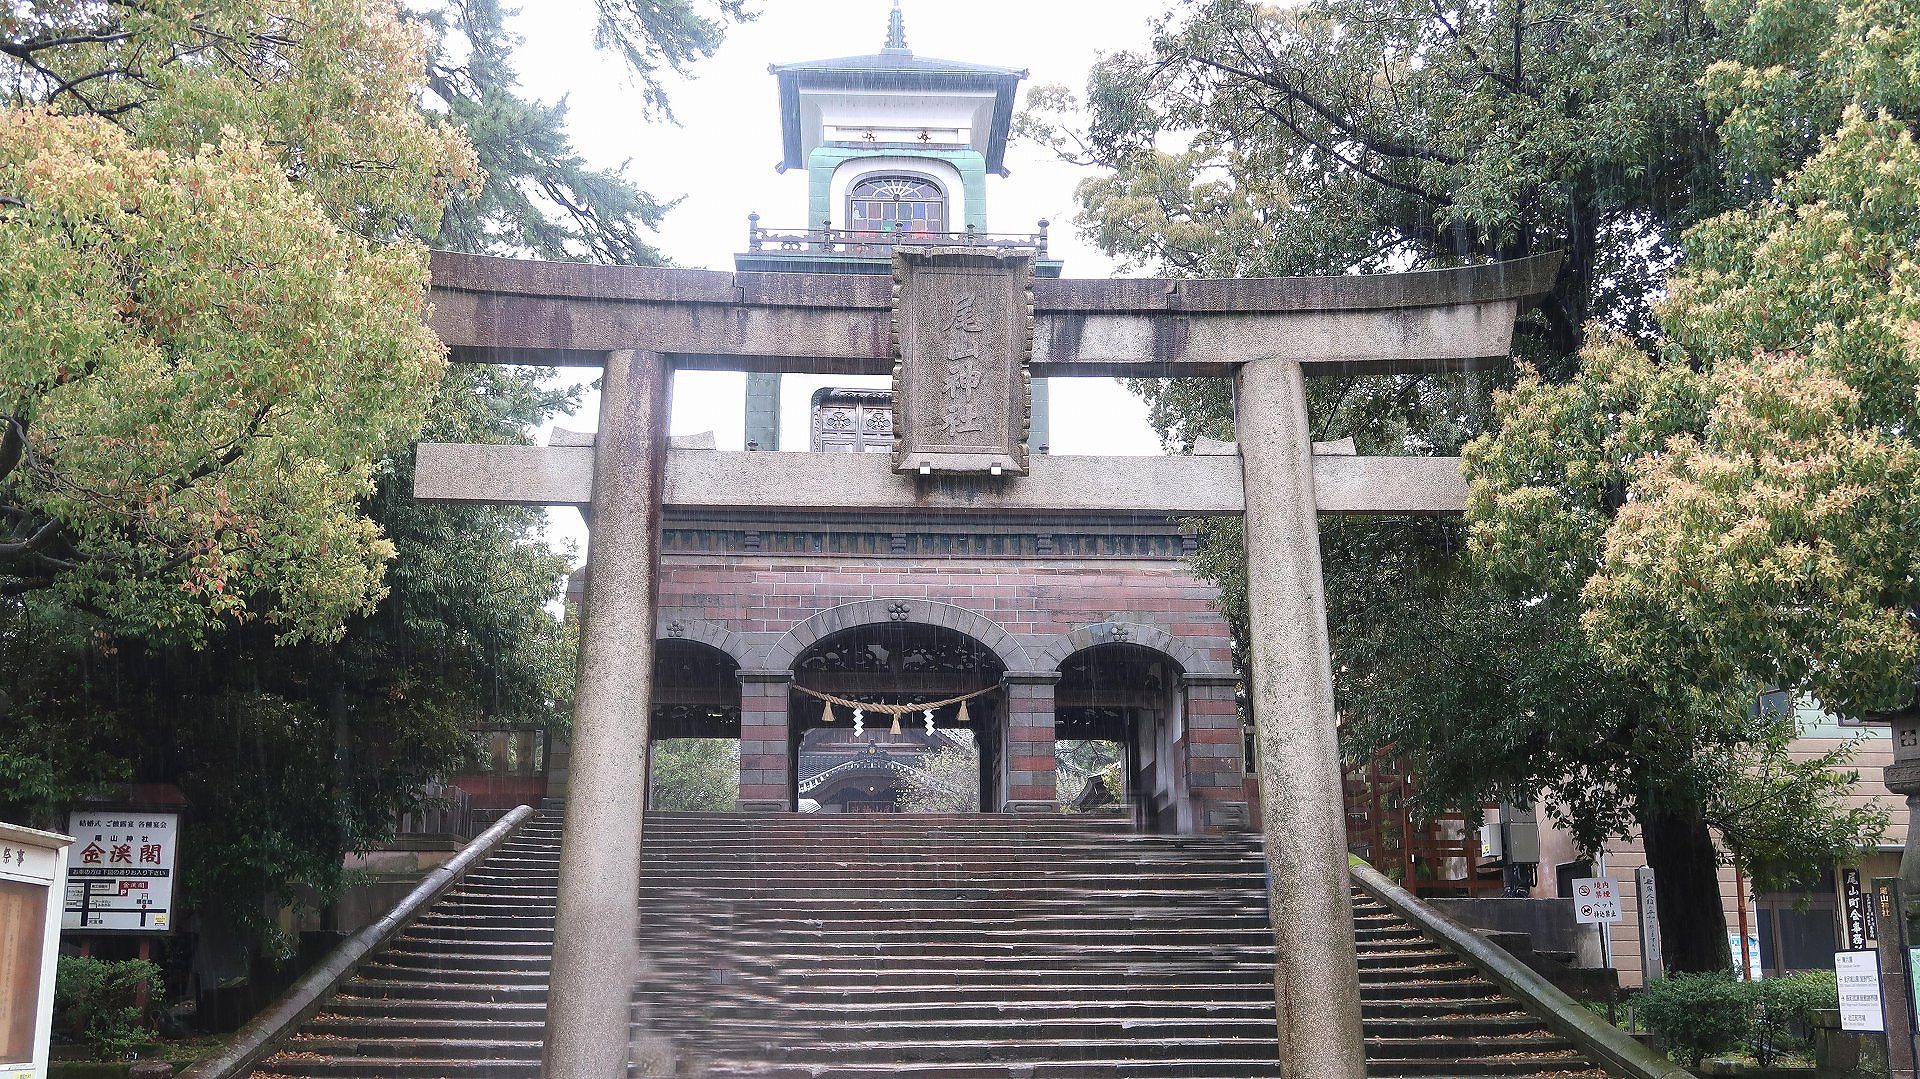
(899,612)
(963,335)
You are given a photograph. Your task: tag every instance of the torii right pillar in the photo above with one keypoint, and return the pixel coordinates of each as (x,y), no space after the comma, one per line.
(1297,751)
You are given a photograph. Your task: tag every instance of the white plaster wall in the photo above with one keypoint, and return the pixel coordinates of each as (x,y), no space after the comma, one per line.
(948,177)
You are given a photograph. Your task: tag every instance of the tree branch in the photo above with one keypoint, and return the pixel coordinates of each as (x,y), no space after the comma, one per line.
(1374,141)
(13,445)
(46,534)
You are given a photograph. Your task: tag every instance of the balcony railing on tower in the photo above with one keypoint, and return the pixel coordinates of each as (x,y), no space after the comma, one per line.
(831,241)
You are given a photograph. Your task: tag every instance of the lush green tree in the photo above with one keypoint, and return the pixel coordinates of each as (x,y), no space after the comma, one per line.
(1730,506)
(290,755)
(293,749)
(213,305)
(541,199)
(1367,134)
(1379,134)
(696,775)
(1735,507)
(1770,537)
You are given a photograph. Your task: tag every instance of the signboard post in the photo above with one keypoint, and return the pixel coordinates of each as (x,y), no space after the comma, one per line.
(1596,902)
(1859,976)
(32,871)
(1652,966)
(120,871)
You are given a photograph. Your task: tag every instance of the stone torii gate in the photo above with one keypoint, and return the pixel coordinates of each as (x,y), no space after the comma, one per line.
(962,330)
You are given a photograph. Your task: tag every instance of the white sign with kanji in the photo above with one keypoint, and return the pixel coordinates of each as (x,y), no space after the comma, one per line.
(1858,974)
(120,871)
(1595,899)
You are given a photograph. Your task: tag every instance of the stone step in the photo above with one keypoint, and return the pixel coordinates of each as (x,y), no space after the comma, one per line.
(891,941)
(958,947)
(1432,972)
(1025,1051)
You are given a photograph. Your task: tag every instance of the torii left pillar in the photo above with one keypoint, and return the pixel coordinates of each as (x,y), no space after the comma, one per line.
(595,959)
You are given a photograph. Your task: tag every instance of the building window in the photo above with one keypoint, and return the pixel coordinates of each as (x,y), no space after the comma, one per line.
(881,204)
(1798,930)
(852,421)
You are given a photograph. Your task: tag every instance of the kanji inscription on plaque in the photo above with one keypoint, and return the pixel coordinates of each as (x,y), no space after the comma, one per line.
(963,334)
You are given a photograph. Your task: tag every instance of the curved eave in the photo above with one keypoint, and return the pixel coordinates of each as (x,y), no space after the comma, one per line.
(1004,82)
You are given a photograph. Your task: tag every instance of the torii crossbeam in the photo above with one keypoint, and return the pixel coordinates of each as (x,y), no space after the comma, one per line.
(959,328)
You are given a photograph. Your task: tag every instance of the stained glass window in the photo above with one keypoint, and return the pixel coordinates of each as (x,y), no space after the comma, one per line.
(896,204)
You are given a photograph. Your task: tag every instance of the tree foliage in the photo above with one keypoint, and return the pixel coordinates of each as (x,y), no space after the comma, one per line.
(285,157)
(1723,508)
(214,309)
(290,755)
(1367,135)
(1770,538)
(695,775)
(542,199)
(945,780)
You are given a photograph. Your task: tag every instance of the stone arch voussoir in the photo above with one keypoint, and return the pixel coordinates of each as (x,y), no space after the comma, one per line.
(675,627)
(1145,634)
(783,652)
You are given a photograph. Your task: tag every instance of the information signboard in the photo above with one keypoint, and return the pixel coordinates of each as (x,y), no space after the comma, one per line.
(1596,900)
(120,871)
(1859,976)
(32,870)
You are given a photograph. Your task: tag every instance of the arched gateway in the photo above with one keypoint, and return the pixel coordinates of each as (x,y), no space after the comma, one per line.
(1036,702)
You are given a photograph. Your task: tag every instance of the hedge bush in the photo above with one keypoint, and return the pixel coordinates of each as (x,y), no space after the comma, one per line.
(1783,1014)
(1698,1015)
(1703,1015)
(95,1000)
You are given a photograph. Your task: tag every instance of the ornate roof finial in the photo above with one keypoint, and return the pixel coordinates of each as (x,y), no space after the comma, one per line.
(896,30)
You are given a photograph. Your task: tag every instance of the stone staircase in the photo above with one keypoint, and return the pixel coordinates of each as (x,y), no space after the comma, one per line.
(961,947)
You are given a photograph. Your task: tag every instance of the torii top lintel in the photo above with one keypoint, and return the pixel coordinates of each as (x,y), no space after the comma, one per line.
(498,310)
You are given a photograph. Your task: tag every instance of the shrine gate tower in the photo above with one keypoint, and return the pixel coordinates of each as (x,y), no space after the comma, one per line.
(1080,627)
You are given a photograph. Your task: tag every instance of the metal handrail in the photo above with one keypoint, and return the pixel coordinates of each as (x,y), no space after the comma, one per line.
(828,240)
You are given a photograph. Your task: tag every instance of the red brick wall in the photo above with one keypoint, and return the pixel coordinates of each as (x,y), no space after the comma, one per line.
(758,593)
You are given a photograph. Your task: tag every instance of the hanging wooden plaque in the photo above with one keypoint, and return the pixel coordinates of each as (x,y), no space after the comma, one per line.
(963,336)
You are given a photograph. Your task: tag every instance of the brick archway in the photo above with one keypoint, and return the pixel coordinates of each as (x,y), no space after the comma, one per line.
(780,655)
